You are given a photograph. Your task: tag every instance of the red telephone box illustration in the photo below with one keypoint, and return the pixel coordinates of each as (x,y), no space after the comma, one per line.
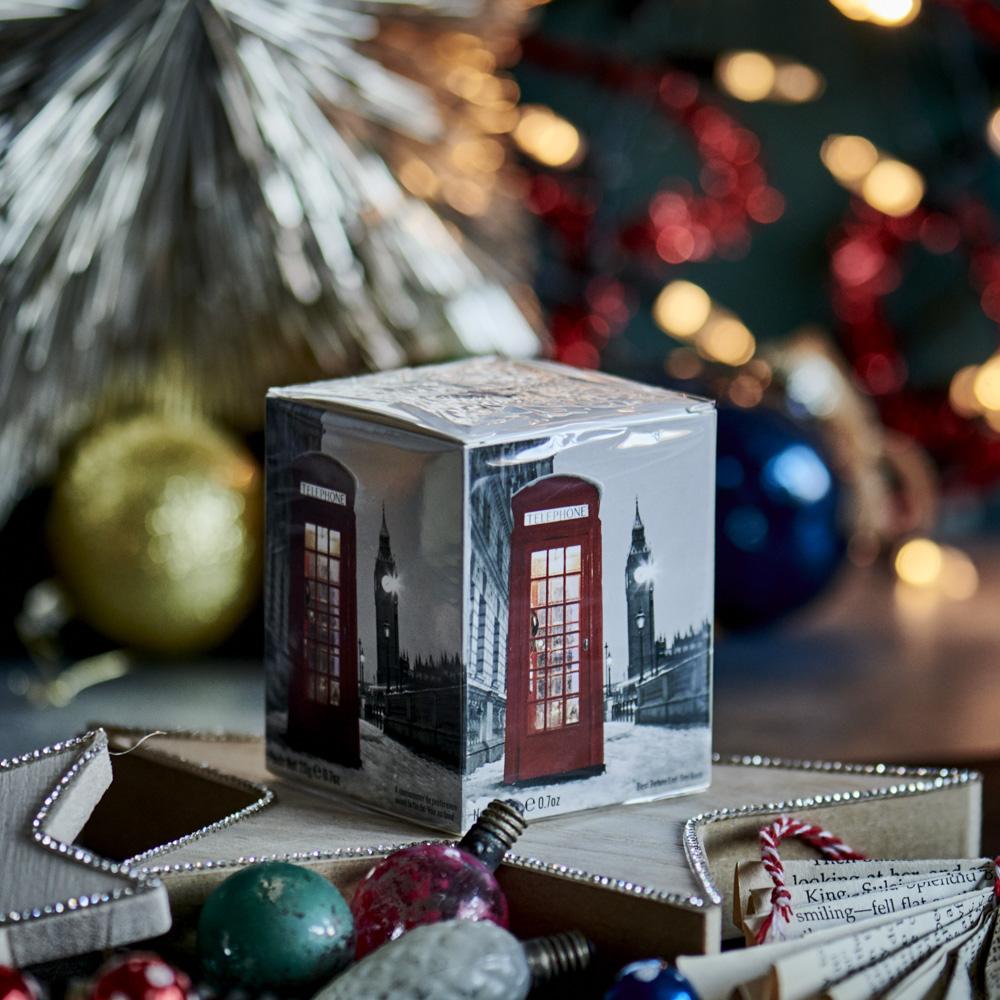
(323,698)
(555,718)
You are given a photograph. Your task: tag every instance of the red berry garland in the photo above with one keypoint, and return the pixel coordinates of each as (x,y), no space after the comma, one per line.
(681,223)
(867,262)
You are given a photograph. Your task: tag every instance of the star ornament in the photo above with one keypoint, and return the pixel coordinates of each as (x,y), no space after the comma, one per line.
(57,898)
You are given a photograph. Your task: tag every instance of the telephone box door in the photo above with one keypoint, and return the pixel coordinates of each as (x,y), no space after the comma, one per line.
(555,717)
(323,696)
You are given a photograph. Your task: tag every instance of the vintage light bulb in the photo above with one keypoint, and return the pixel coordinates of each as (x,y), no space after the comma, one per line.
(427,883)
(460,960)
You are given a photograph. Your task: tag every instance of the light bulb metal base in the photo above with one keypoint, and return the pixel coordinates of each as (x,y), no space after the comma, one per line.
(495,832)
(562,954)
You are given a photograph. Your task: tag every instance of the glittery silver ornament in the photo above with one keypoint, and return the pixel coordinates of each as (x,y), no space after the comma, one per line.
(460,960)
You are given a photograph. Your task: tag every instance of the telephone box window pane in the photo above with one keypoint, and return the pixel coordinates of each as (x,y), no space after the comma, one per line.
(322,564)
(537,621)
(336,664)
(572,711)
(572,683)
(537,564)
(540,687)
(573,559)
(321,536)
(556,590)
(334,596)
(322,690)
(537,593)
(310,535)
(556,642)
(539,645)
(322,627)
(334,543)
(572,612)
(573,587)
(335,571)
(334,693)
(555,714)
(539,720)
(555,561)
(311,564)
(556,658)
(573,655)
(555,686)
(322,593)
(556,616)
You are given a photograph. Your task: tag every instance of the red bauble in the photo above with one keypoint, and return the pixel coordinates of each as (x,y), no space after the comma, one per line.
(141,976)
(15,985)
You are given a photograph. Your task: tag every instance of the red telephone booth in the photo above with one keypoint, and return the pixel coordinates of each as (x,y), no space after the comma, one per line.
(555,717)
(323,698)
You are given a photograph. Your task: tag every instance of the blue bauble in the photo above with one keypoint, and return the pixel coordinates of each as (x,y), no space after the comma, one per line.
(778,535)
(650,979)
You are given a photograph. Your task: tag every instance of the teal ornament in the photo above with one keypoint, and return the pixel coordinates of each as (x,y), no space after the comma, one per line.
(650,979)
(275,926)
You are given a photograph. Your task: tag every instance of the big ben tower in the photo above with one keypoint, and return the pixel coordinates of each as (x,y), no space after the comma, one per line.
(639,600)
(386,612)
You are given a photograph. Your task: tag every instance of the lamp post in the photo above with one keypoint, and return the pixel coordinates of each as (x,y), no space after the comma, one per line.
(640,624)
(607,682)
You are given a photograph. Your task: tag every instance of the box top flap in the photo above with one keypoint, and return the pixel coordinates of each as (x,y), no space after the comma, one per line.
(486,399)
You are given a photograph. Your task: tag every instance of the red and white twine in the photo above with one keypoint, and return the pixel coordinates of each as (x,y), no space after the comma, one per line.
(770,837)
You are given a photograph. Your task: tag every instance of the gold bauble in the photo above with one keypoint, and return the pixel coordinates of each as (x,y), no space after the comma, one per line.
(155,529)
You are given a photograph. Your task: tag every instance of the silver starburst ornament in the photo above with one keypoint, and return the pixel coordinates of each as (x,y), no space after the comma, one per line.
(199,198)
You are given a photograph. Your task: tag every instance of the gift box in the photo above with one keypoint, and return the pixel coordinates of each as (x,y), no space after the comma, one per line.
(489,578)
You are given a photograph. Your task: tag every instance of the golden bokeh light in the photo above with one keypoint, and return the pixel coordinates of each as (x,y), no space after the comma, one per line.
(682,309)
(849,158)
(466,196)
(929,573)
(726,340)
(993,131)
(893,187)
(486,155)
(547,137)
(746,391)
(747,76)
(959,576)
(885,13)
(683,363)
(756,76)
(962,392)
(986,384)
(418,178)
(797,84)
(892,13)
(919,562)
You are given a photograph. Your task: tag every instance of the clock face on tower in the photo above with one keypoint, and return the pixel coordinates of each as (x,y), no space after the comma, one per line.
(386,611)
